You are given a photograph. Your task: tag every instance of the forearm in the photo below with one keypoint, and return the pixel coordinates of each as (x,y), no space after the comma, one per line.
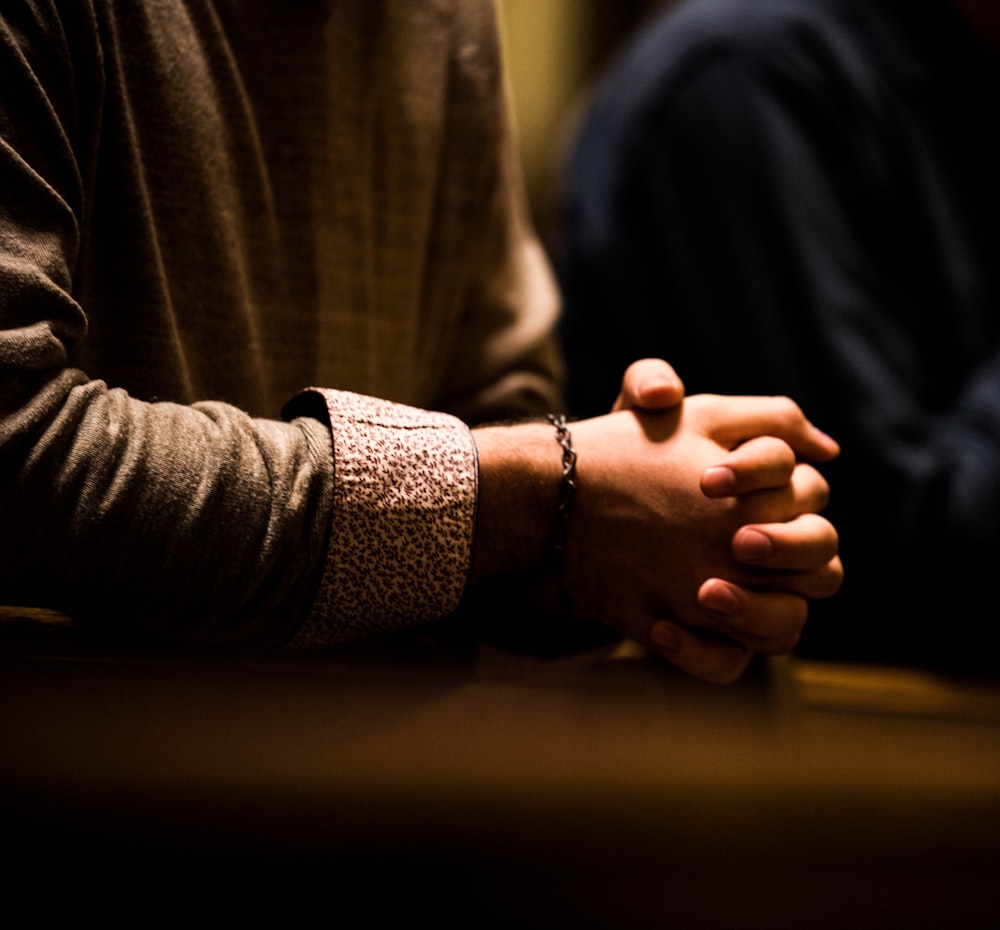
(194,523)
(203,524)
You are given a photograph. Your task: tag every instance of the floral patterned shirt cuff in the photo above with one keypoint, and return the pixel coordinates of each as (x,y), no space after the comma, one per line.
(400,550)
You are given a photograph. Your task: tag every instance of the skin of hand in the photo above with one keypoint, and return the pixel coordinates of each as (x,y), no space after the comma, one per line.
(796,556)
(647,545)
(665,503)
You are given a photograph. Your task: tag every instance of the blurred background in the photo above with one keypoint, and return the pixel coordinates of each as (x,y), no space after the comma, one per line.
(554,50)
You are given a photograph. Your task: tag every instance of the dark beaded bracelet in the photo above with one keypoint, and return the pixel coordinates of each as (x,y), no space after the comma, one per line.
(567,493)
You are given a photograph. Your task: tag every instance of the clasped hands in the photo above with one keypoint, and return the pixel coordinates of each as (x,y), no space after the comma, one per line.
(704,514)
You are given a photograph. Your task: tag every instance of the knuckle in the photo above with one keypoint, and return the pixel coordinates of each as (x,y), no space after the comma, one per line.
(834,577)
(781,452)
(811,484)
(787,643)
(827,538)
(788,411)
(833,541)
(785,633)
(822,495)
(827,581)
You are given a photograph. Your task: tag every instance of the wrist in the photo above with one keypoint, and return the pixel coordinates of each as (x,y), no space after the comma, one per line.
(520,473)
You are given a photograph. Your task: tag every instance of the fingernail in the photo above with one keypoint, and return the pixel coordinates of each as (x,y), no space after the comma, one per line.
(752,546)
(665,637)
(655,383)
(719,481)
(719,598)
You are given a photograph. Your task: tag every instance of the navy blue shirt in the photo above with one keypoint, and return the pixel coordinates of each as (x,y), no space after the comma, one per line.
(800,197)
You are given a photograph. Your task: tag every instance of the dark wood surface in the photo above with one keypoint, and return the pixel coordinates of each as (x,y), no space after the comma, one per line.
(599,789)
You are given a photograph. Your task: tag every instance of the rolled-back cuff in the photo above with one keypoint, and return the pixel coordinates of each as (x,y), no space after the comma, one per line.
(405,485)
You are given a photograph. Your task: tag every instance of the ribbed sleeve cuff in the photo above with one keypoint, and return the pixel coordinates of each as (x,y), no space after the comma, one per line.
(405,483)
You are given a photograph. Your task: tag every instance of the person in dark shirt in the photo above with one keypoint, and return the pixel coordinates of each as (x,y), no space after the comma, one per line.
(800,197)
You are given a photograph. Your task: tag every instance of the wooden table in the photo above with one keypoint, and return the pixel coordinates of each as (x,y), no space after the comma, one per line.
(593,790)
